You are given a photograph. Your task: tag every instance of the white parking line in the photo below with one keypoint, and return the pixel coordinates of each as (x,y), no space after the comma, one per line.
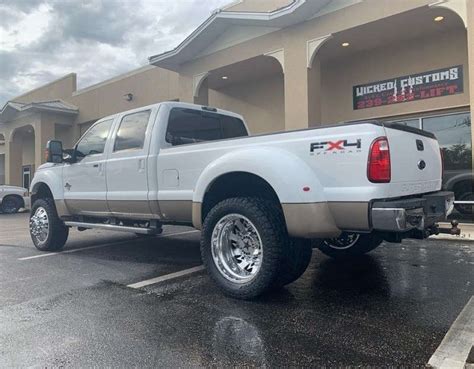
(72,251)
(97,246)
(456,345)
(166,277)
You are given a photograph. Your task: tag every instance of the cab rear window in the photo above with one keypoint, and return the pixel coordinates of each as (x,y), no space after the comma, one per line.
(187,126)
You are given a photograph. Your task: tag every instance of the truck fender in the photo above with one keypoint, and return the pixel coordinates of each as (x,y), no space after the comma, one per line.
(299,191)
(52,179)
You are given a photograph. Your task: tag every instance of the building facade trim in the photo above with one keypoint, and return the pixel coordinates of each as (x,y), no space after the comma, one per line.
(12,108)
(198,81)
(279,55)
(42,87)
(294,13)
(313,47)
(231,5)
(113,80)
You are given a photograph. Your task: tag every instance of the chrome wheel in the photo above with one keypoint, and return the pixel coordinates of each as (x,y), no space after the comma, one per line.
(237,248)
(39,225)
(343,242)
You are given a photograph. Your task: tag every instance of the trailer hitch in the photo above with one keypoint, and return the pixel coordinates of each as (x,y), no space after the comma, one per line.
(454,230)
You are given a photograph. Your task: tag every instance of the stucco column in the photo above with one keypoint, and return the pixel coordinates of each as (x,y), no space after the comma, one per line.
(314,94)
(186,89)
(13,162)
(44,131)
(470,46)
(203,97)
(2,167)
(296,88)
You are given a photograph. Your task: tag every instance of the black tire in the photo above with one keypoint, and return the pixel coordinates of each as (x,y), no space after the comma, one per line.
(462,208)
(11,204)
(267,220)
(57,234)
(364,244)
(297,257)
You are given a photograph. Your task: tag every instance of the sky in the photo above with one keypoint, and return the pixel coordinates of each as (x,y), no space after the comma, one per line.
(42,40)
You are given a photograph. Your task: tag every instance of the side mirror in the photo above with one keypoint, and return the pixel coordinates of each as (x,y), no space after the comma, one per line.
(54,152)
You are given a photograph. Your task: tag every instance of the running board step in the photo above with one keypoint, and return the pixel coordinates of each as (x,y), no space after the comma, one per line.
(111,227)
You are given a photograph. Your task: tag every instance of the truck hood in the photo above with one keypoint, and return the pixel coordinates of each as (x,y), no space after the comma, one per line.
(47,165)
(12,188)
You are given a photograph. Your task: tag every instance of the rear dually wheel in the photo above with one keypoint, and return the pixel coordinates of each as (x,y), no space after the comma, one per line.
(242,246)
(349,245)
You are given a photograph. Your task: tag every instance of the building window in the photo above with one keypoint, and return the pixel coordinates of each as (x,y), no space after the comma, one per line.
(454,136)
(415,123)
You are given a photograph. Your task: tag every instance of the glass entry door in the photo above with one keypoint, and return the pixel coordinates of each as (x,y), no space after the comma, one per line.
(26,176)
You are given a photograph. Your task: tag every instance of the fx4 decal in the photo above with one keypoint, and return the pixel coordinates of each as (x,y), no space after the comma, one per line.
(340,146)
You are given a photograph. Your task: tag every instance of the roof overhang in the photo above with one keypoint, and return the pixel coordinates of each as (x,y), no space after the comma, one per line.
(296,12)
(13,108)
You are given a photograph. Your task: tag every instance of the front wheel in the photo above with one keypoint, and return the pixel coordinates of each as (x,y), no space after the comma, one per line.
(47,231)
(349,245)
(242,246)
(11,205)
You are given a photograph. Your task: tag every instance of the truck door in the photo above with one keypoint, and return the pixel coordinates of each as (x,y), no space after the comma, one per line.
(127,182)
(84,181)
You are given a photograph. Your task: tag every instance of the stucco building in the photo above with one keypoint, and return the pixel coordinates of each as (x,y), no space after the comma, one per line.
(284,65)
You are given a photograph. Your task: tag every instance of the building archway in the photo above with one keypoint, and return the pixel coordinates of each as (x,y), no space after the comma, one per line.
(21,159)
(378,51)
(254,88)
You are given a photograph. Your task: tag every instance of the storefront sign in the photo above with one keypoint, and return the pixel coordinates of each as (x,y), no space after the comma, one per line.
(441,82)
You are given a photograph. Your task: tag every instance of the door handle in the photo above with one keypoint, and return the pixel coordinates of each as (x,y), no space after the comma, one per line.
(96,165)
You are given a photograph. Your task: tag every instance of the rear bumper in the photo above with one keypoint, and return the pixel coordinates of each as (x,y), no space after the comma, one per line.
(421,213)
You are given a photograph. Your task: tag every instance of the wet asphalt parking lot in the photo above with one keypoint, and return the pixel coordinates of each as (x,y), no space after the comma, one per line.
(74,309)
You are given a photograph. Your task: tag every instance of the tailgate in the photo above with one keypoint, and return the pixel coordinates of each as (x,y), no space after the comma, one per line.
(415,159)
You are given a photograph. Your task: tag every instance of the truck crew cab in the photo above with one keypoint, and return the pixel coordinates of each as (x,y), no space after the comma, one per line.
(259,200)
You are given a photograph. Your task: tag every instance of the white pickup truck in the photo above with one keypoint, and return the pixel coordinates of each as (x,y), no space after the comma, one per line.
(13,198)
(259,200)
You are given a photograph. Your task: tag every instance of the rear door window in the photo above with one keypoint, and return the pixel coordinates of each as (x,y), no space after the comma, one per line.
(187,126)
(131,132)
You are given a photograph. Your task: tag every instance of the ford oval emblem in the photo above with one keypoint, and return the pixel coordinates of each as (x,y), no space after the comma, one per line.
(421,164)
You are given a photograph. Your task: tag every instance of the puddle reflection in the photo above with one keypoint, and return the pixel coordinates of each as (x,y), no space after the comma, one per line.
(236,340)
(362,275)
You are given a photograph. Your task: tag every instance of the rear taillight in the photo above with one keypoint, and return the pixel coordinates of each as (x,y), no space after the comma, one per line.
(379,167)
